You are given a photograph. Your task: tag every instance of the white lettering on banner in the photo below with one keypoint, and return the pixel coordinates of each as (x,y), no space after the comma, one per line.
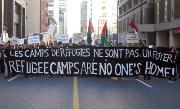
(12,66)
(127,69)
(40,68)
(114,53)
(91,61)
(83,68)
(51,67)
(61,52)
(77,70)
(98,53)
(34,67)
(46,67)
(131,53)
(102,68)
(16,66)
(89,67)
(109,69)
(94,69)
(153,69)
(106,69)
(30,53)
(149,53)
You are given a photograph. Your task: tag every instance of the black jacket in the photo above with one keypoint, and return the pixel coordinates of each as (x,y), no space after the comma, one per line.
(178,58)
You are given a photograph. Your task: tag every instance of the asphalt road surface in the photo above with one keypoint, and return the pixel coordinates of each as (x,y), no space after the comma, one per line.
(88,93)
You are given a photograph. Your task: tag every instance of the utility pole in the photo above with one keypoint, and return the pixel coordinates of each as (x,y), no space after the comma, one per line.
(141,22)
(141,13)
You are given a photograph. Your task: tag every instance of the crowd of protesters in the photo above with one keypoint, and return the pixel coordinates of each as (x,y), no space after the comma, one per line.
(43,45)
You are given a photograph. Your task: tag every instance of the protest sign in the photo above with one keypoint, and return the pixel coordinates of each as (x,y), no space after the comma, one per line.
(20,41)
(33,39)
(62,38)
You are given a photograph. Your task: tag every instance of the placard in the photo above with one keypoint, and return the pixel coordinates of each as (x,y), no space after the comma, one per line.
(62,38)
(132,38)
(21,42)
(77,37)
(33,39)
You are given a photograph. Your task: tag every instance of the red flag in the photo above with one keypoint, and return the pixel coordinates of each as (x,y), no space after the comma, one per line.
(104,36)
(90,31)
(90,27)
(133,25)
(105,31)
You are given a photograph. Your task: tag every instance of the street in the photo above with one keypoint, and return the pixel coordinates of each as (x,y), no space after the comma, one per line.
(88,93)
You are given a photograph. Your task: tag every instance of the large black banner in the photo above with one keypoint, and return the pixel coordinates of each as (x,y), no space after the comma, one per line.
(101,62)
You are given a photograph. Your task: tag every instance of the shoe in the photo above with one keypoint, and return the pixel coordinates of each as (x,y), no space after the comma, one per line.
(174,79)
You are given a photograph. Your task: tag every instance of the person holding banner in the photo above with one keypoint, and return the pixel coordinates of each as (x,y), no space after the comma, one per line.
(178,62)
(173,50)
(60,44)
(1,59)
(6,73)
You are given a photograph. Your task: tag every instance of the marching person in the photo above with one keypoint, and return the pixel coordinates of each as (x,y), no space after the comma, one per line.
(173,50)
(178,62)
(6,73)
(1,59)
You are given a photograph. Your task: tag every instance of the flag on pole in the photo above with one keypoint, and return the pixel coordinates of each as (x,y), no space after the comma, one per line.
(133,25)
(104,36)
(90,31)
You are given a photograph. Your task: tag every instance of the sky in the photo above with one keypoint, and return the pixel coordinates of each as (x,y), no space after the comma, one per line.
(73,17)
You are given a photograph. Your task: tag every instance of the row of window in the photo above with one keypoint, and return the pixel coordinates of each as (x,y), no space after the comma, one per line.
(152,13)
(127,6)
(165,11)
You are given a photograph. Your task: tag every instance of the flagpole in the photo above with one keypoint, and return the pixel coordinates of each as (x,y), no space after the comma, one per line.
(135,28)
(141,38)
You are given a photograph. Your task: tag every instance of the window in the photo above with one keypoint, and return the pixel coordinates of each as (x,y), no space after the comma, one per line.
(51,12)
(176,9)
(129,4)
(124,8)
(135,2)
(120,11)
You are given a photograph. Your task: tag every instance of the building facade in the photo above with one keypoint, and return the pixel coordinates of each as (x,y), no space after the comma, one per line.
(63,16)
(13,19)
(142,11)
(101,11)
(37,16)
(157,20)
(112,15)
(44,16)
(167,27)
(53,13)
(83,18)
